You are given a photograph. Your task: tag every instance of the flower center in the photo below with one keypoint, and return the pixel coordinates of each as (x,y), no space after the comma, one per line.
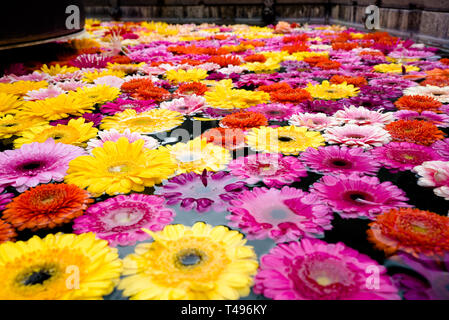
(285,139)
(120,168)
(9,125)
(190,258)
(188,157)
(355,136)
(37,277)
(33,165)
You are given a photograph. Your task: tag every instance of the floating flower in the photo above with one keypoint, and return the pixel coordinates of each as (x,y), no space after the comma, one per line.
(328,107)
(274,170)
(148,122)
(113,135)
(38,268)
(224,97)
(120,105)
(287,140)
(120,219)
(418,103)
(442,148)
(282,215)
(328,91)
(411,230)
(362,116)
(312,121)
(36,163)
(43,93)
(313,269)
(394,68)
(371,102)
(152,93)
(120,167)
(440,94)
(434,174)
(5,198)
(244,120)
(206,192)
(46,206)
(9,104)
(178,76)
(20,88)
(98,94)
(275,111)
(191,88)
(111,81)
(198,155)
(354,196)
(293,96)
(198,262)
(414,131)
(340,159)
(353,135)
(14,125)
(228,138)
(438,119)
(7,232)
(187,105)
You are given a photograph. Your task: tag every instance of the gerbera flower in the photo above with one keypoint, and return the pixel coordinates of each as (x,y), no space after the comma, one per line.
(46,206)
(354,196)
(98,61)
(362,116)
(313,269)
(340,159)
(44,269)
(412,230)
(414,131)
(187,105)
(152,93)
(198,155)
(287,140)
(202,193)
(7,232)
(438,119)
(76,133)
(20,88)
(36,163)
(394,68)
(9,104)
(93,74)
(228,138)
(244,120)
(120,105)
(178,76)
(120,219)
(370,102)
(43,93)
(355,81)
(152,121)
(392,81)
(5,198)
(328,107)
(189,88)
(275,170)
(434,174)
(113,135)
(293,96)
(440,94)
(312,121)
(353,135)
(418,103)
(328,91)
(223,96)
(98,94)
(198,262)
(131,86)
(275,111)
(442,148)
(111,81)
(53,70)
(120,167)
(282,215)
(14,125)
(403,155)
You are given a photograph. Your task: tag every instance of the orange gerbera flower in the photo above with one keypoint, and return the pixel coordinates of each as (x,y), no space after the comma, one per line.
(253,43)
(356,81)
(313,61)
(191,62)
(439,81)
(412,230)
(371,53)
(414,131)
(244,120)
(158,63)
(344,46)
(328,65)
(189,88)
(224,61)
(152,93)
(418,103)
(444,61)
(275,87)
(7,232)
(294,96)
(295,38)
(438,72)
(133,85)
(121,59)
(46,206)
(298,46)
(228,138)
(255,58)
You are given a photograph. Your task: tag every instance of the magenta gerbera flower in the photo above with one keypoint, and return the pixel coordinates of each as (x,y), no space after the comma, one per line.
(36,163)
(114,135)
(120,219)
(442,148)
(282,215)
(275,170)
(401,156)
(438,119)
(5,198)
(336,160)
(276,111)
(354,196)
(357,136)
(91,61)
(210,191)
(315,270)
(120,105)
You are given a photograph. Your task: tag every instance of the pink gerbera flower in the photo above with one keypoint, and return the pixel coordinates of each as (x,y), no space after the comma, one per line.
(438,119)
(357,136)
(442,148)
(111,81)
(5,198)
(354,196)
(91,61)
(71,85)
(315,270)
(276,111)
(313,121)
(43,93)
(114,135)
(336,160)
(120,105)
(363,116)
(282,215)
(186,105)
(120,219)
(36,163)
(275,170)
(434,174)
(401,156)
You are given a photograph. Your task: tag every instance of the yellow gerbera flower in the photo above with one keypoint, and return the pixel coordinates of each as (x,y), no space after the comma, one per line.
(76,132)
(286,140)
(152,121)
(57,69)
(127,68)
(191,75)
(99,94)
(92,75)
(120,167)
(190,263)
(22,87)
(58,267)
(197,155)
(57,107)
(223,97)
(328,91)
(268,66)
(9,103)
(393,68)
(11,125)
(83,43)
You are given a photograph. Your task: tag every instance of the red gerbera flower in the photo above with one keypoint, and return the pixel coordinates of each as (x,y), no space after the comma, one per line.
(418,103)
(121,59)
(439,81)
(294,96)
(298,46)
(344,46)
(244,120)
(189,88)
(356,81)
(152,93)
(414,131)
(275,87)
(7,232)
(328,65)
(255,58)
(133,85)
(228,138)
(312,61)
(224,61)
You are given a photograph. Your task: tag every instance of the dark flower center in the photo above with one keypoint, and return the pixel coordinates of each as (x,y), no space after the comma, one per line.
(285,139)
(37,277)
(341,163)
(31,165)
(190,257)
